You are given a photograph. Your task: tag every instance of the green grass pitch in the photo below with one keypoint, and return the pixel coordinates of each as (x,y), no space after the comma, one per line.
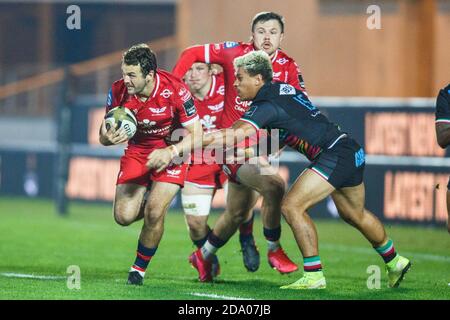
(35,242)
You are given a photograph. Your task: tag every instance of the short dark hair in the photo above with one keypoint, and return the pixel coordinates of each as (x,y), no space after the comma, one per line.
(142,55)
(266,16)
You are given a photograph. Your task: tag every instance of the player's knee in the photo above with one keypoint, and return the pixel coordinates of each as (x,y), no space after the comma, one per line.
(154,216)
(123,219)
(291,209)
(286,211)
(273,188)
(196,226)
(125,214)
(238,215)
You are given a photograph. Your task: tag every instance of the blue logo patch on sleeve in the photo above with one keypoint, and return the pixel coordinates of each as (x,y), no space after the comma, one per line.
(359,158)
(109,99)
(230,44)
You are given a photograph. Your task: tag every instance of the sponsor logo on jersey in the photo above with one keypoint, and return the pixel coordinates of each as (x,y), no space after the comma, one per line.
(277,75)
(189,107)
(184,94)
(162,130)
(216,107)
(146,123)
(240,108)
(286,89)
(166,93)
(240,105)
(158,111)
(221,90)
(175,172)
(208,122)
(216,48)
(304,101)
(251,111)
(282,61)
(230,44)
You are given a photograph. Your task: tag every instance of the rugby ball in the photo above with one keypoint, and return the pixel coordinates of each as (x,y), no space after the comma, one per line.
(121,117)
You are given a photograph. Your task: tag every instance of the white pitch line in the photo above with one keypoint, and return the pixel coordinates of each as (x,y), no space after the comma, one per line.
(216,296)
(31,276)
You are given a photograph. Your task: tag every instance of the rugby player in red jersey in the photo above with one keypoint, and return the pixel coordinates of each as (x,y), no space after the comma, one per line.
(160,103)
(267,33)
(203,179)
(442,126)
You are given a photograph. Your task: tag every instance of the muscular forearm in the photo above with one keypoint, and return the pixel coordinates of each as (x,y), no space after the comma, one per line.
(225,138)
(190,142)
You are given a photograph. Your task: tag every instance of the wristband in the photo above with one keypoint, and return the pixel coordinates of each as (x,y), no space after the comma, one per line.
(174,151)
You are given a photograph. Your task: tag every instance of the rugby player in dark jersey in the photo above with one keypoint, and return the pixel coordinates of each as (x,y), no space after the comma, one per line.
(336,169)
(443,131)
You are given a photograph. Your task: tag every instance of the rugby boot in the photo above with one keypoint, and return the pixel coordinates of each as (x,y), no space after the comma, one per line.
(250,253)
(279,261)
(134,278)
(310,280)
(396,270)
(203,266)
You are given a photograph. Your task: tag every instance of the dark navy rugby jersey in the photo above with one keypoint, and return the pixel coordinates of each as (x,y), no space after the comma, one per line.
(443,105)
(302,126)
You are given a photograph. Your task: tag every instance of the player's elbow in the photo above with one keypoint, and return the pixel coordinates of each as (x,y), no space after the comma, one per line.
(442,142)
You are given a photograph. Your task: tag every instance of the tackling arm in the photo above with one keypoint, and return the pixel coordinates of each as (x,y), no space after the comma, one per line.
(161,158)
(229,137)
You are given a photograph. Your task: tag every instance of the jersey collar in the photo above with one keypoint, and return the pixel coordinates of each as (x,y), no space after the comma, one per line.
(153,94)
(275,56)
(262,92)
(155,90)
(213,86)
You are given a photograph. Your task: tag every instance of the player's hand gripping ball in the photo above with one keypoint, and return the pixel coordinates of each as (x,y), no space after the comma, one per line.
(121,117)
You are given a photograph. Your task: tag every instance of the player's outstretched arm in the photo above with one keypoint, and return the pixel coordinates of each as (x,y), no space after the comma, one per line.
(229,137)
(159,159)
(111,137)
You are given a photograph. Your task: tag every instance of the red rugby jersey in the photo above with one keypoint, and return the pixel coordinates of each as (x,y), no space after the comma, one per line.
(211,107)
(284,70)
(169,106)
